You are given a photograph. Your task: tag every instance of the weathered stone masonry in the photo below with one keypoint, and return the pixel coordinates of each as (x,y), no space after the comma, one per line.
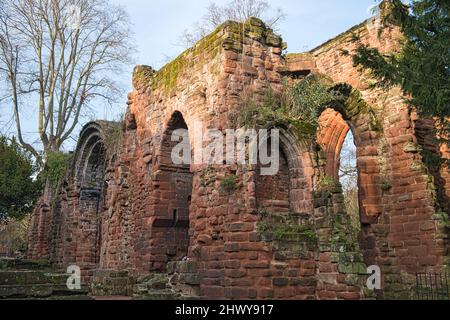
(124,206)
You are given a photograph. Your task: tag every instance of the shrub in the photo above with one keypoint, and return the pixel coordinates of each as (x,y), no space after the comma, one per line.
(56,167)
(229,183)
(297,107)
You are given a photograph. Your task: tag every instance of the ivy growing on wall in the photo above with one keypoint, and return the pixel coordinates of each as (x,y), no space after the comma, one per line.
(56,167)
(296,108)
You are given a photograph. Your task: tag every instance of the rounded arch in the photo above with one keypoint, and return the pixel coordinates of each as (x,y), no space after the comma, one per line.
(89,172)
(91,135)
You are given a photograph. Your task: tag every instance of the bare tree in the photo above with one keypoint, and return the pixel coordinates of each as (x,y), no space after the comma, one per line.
(58,58)
(236,10)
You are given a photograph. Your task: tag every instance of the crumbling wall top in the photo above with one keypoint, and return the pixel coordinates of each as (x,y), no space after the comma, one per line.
(230,36)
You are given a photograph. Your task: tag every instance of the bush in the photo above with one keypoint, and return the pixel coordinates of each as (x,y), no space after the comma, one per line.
(14,236)
(56,167)
(229,184)
(297,107)
(19,189)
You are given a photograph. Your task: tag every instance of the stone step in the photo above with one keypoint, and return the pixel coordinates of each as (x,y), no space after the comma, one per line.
(23,277)
(111,283)
(35,284)
(62,290)
(33,291)
(10,277)
(58,298)
(71,298)
(158,295)
(23,264)
(25,291)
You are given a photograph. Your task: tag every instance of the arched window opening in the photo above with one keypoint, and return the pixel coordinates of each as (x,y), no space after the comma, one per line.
(348,177)
(93,176)
(337,142)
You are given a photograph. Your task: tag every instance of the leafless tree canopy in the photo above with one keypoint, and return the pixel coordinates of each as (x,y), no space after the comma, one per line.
(236,10)
(347,171)
(57,58)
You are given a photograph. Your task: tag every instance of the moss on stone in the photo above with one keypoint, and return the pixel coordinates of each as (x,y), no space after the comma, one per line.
(328,182)
(142,75)
(228,36)
(356,105)
(418,166)
(167,78)
(285,228)
(229,183)
(208,176)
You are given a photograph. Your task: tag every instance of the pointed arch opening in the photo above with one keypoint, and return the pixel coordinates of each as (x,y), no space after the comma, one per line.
(337,142)
(287,191)
(173,189)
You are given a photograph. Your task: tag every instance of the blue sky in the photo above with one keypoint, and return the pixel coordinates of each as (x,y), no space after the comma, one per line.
(158,24)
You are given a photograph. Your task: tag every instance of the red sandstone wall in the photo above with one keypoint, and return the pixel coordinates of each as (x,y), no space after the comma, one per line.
(405,212)
(207,84)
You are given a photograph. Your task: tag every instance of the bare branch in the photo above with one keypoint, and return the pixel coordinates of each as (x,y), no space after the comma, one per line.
(65,55)
(236,10)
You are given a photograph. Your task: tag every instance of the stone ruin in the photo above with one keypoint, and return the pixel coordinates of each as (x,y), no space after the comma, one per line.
(125,211)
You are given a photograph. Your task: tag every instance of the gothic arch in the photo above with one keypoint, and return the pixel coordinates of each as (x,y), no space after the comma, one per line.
(335,122)
(172,187)
(289,190)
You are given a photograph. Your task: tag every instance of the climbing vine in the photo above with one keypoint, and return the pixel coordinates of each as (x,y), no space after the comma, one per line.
(56,167)
(296,107)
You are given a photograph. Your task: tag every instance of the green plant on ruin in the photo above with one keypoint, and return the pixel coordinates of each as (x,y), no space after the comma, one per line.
(296,108)
(208,176)
(432,160)
(386,184)
(229,183)
(284,227)
(328,182)
(443,219)
(113,138)
(421,66)
(56,167)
